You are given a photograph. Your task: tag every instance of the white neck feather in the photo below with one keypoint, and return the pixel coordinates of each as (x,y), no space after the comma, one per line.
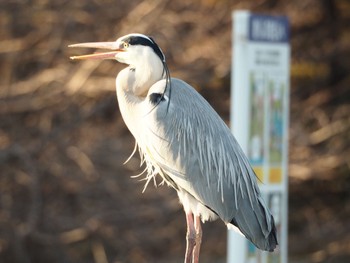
(133,84)
(145,69)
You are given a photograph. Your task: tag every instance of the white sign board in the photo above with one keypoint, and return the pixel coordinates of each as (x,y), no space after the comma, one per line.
(259,119)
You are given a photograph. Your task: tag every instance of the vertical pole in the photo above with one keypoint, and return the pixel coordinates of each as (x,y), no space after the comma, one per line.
(236,248)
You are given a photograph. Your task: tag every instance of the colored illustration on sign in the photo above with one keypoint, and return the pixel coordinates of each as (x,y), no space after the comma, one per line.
(257,117)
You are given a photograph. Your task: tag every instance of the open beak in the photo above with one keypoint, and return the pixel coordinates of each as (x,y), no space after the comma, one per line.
(104,45)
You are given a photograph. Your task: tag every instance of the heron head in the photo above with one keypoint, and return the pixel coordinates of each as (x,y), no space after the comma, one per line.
(131,49)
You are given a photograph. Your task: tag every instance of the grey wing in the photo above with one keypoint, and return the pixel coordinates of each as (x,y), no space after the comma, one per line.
(196,149)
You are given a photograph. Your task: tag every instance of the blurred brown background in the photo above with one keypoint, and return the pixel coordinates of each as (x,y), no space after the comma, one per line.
(65,195)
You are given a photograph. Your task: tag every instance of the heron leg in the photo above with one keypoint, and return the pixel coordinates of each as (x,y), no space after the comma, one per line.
(198,241)
(190,238)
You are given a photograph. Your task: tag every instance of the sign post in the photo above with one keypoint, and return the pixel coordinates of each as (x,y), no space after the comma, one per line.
(260,119)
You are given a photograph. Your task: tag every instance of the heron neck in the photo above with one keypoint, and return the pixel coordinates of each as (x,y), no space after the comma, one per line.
(145,75)
(133,84)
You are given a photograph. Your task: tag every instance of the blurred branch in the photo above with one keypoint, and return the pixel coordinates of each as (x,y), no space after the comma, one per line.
(330,130)
(74,235)
(80,76)
(99,252)
(23,43)
(35,196)
(84,162)
(145,11)
(28,87)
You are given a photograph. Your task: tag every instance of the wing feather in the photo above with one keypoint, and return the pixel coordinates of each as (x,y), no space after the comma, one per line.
(195,148)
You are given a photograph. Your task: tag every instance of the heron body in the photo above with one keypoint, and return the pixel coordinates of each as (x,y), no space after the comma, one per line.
(183,139)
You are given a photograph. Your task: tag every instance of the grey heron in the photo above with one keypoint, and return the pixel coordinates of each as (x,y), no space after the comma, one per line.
(181,138)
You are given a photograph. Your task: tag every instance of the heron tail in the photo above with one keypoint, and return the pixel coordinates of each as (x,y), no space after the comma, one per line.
(257,225)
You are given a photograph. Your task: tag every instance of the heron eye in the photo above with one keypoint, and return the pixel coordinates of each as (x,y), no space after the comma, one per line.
(126,45)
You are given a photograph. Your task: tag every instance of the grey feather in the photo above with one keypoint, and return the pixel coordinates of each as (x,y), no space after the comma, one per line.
(196,149)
